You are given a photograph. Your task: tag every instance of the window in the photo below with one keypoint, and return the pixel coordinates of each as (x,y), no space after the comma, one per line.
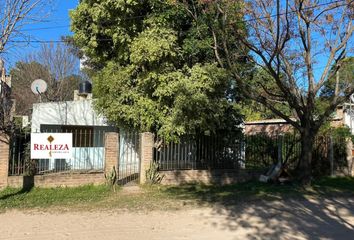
(82,135)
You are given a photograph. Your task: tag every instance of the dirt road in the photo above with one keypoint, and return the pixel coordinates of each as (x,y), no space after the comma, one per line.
(287,219)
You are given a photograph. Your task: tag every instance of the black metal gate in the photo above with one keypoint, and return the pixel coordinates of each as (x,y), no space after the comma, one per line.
(19,152)
(129,158)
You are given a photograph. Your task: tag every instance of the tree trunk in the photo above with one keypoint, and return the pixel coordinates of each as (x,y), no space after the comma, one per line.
(305,168)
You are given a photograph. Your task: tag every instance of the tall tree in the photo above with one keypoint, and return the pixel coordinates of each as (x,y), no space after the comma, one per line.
(22,76)
(14,15)
(156,69)
(63,66)
(296,42)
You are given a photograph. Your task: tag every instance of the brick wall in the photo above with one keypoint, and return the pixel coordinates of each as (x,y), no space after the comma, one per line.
(58,180)
(146,154)
(111,151)
(4,160)
(221,177)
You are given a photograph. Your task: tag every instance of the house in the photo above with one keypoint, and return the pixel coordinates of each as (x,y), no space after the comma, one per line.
(348,114)
(344,116)
(270,127)
(79,118)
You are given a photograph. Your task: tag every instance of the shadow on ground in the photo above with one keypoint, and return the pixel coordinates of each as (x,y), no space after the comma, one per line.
(263,211)
(28,184)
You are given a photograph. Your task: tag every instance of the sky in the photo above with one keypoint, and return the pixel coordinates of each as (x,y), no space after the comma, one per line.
(55,25)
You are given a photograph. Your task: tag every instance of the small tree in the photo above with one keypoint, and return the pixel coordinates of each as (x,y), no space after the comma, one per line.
(14,15)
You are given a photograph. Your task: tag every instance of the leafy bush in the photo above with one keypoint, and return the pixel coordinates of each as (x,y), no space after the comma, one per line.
(152,174)
(111,178)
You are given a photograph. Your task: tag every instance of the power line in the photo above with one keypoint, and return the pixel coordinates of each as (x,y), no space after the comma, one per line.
(241,21)
(294,11)
(45,28)
(64,41)
(42,41)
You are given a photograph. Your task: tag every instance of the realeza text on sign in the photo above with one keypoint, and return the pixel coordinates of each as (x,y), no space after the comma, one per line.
(51,145)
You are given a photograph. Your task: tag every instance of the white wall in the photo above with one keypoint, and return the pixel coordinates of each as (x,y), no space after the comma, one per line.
(65,113)
(347,120)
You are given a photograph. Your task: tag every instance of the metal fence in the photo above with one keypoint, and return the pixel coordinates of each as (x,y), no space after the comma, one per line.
(248,152)
(263,150)
(19,151)
(201,152)
(129,157)
(87,153)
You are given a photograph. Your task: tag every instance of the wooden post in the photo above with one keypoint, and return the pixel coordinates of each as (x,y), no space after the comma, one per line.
(331,155)
(4,160)
(350,157)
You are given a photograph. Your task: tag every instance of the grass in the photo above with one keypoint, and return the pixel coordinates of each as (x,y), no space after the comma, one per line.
(166,197)
(256,190)
(48,197)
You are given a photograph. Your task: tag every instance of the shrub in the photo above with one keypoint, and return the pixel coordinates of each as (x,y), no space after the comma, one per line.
(152,174)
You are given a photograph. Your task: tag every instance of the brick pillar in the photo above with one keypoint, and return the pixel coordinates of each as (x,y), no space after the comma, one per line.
(146,154)
(4,160)
(350,158)
(111,151)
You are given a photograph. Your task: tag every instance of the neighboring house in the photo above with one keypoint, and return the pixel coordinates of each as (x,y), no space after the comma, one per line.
(348,115)
(79,118)
(341,117)
(270,127)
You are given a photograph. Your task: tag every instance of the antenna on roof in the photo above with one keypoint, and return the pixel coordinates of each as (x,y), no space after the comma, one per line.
(38,87)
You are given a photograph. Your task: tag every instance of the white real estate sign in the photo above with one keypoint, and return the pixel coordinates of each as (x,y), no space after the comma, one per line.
(51,145)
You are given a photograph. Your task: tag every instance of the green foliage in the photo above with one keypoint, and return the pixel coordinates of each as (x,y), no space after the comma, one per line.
(58,89)
(166,197)
(111,178)
(336,132)
(30,164)
(323,148)
(172,104)
(156,69)
(152,174)
(345,85)
(50,197)
(264,150)
(346,80)
(252,110)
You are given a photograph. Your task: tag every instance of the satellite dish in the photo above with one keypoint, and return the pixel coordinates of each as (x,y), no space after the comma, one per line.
(39,86)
